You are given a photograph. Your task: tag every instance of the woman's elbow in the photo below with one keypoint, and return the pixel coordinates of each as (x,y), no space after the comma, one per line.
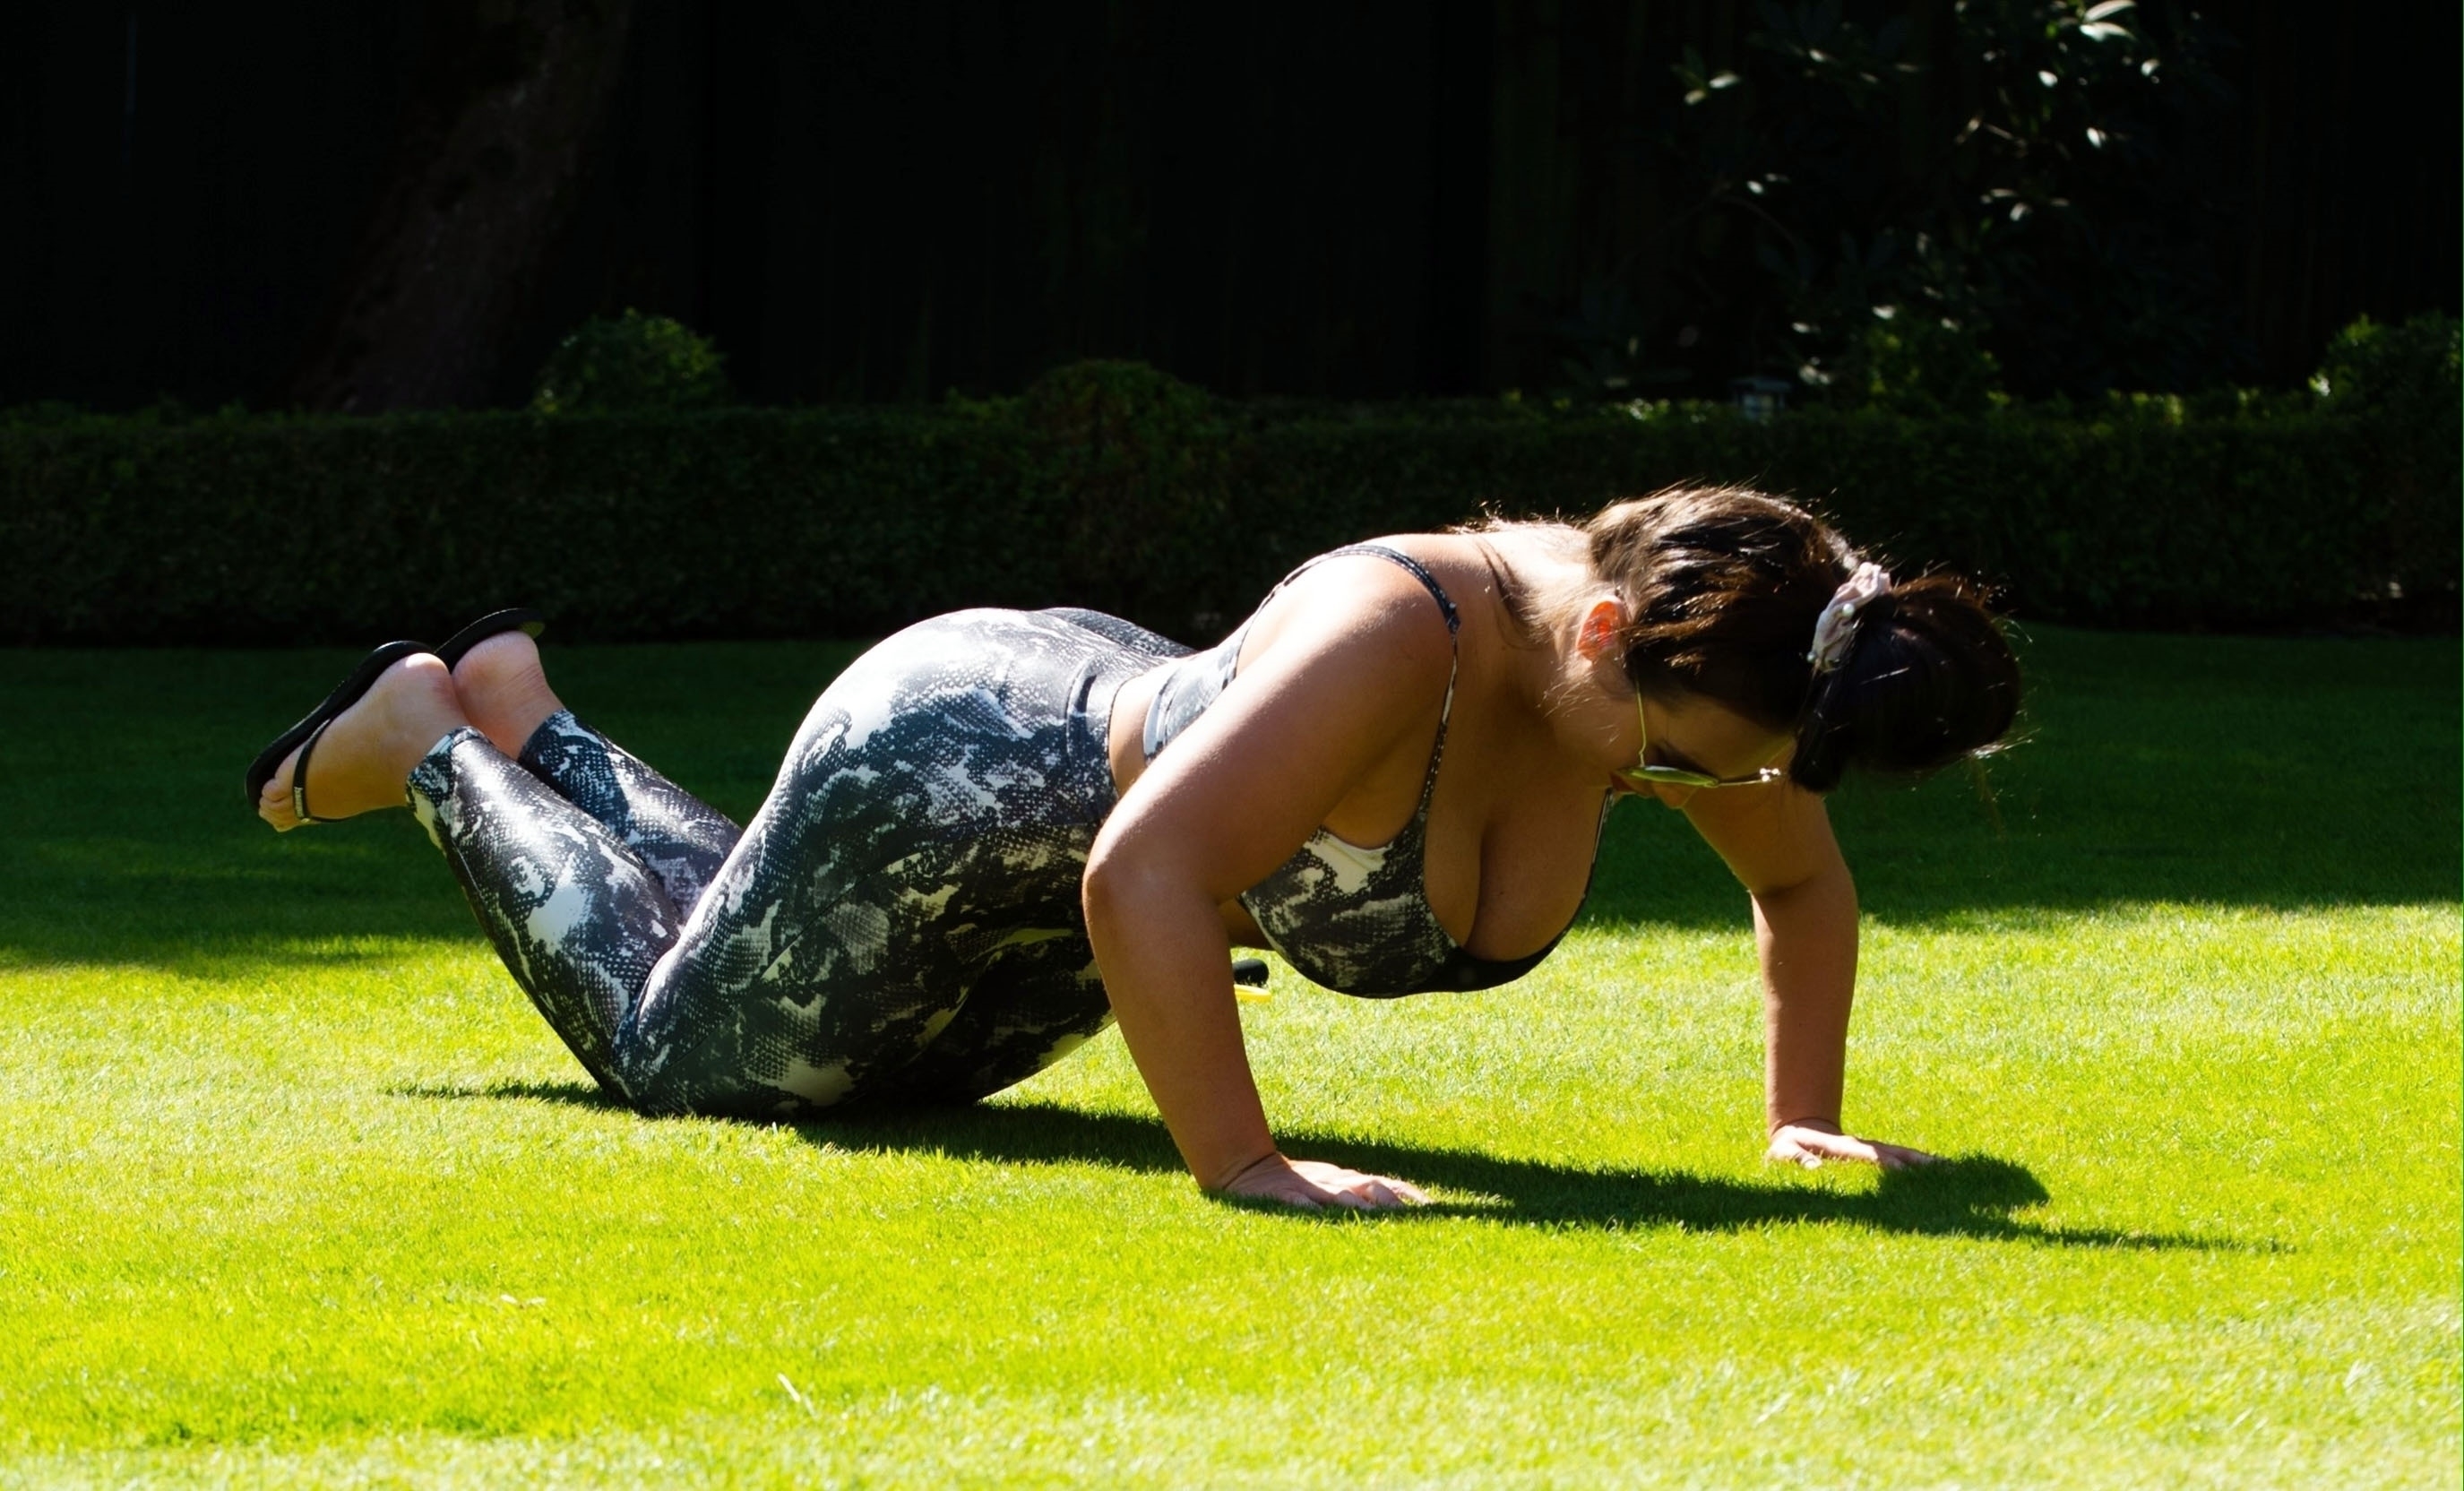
(1118,878)
(1828,885)
(1142,880)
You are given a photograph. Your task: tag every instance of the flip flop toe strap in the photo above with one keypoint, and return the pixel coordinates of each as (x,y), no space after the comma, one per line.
(299,777)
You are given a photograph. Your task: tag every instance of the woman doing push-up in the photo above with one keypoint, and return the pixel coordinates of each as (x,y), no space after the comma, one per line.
(998,831)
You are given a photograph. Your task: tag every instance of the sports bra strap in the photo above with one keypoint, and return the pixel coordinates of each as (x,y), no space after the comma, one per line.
(1195,681)
(1419,571)
(1454,631)
(1454,668)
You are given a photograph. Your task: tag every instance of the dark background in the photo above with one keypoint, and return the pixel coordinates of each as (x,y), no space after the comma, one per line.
(1351,197)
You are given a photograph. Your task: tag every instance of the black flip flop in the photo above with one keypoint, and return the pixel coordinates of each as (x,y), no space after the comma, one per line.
(496,624)
(303,734)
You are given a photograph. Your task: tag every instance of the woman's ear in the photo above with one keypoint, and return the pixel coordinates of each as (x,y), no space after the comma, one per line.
(1601,629)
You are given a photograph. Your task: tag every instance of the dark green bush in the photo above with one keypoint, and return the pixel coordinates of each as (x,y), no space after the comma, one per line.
(2401,382)
(2409,369)
(1921,364)
(1111,485)
(2119,523)
(631,364)
(1129,468)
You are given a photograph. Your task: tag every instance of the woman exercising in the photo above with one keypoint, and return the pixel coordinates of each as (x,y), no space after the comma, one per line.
(998,830)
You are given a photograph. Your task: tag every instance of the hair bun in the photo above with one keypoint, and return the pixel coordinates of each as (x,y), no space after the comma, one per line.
(1927,678)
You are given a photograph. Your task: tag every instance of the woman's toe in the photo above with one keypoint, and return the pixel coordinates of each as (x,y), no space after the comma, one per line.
(273,802)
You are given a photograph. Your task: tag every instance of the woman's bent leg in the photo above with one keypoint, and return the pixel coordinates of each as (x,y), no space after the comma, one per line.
(1032,1005)
(681,839)
(913,878)
(812,971)
(579,921)
(913,874)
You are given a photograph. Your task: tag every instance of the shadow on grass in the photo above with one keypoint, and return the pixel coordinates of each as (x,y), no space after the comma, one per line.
(1965,1196)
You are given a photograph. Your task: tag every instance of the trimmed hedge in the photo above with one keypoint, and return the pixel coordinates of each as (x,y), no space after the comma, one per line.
(1111,486)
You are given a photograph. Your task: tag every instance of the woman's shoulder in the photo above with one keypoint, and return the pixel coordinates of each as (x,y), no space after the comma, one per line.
(1385,589)
(1357,623)
(1425,593)
(1507,580)
(1465,563)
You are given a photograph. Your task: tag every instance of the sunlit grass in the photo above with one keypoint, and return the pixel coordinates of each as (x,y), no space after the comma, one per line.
(296,1190)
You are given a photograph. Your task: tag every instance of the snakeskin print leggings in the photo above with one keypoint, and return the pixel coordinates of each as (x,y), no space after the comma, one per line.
(899,921)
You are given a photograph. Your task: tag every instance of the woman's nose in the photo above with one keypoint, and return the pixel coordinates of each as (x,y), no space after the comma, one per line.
(1672,797)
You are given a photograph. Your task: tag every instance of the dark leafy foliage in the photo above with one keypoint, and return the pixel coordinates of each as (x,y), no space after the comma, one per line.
(1133,465)
(1111,484)
(1919,216)
(2402,382)
(631,363)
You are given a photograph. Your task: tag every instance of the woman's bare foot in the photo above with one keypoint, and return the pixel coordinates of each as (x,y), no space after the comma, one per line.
(366,754)
(503,687)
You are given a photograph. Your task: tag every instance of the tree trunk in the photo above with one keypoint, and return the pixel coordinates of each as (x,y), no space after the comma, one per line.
(506,96)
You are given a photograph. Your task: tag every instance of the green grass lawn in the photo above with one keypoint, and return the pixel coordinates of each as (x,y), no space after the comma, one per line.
(296,1187)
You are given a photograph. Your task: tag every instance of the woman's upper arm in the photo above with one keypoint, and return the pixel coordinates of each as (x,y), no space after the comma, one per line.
(1341,669)
(1772,838)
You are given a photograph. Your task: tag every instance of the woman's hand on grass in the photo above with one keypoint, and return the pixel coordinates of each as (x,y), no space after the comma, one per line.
(1810,1145)
(1314,1185)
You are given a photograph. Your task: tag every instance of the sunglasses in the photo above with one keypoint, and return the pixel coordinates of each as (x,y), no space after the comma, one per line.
(1643,774)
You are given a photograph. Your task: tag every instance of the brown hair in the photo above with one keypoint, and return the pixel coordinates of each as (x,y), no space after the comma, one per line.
(1722,588)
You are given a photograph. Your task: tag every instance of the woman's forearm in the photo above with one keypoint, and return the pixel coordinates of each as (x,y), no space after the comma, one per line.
(1807,937)
(1162,954)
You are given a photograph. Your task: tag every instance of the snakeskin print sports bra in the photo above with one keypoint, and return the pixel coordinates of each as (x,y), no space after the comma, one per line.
(1354,919)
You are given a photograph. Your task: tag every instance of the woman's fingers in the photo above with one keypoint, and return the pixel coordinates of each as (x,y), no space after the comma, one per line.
(1899,1157)
(1379,1192)
(1402,1192)
(1798,1144)
(1314,1185)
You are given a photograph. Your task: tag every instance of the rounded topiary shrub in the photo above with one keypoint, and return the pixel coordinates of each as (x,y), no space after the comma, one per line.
(631,363)
(1133,465)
